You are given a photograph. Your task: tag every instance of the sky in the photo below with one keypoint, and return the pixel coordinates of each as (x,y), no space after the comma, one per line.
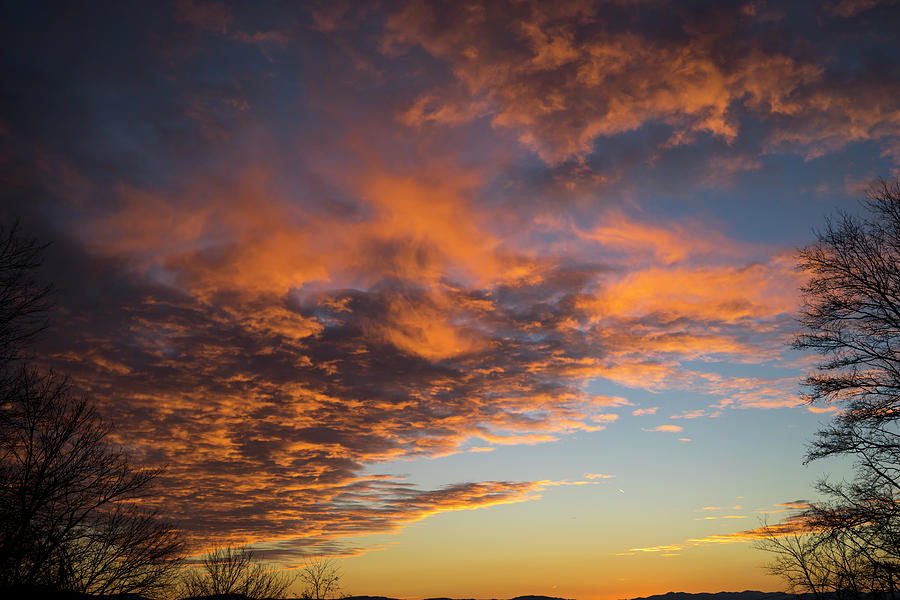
(478,298)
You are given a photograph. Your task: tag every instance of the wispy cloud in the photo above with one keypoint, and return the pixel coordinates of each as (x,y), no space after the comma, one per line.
(667,428)
(792,524)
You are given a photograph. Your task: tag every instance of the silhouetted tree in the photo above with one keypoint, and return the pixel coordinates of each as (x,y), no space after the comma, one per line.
(234,570)
(23,301)
(321,580)
(832,560)
(69,516)
(851,317)
(797,561)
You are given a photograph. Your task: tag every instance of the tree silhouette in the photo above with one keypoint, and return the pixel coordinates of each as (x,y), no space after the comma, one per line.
(321,580)
(234,570)
(24,303)
(851,317)
(69,512)
(836,560)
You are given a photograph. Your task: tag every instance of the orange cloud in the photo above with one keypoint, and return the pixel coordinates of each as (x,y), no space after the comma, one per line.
(428,330)
(671,428)
(749,392)
(218,238)
(792,525)
(831,116)
(664,548)
(726,294)
(431,216)
(561,95)
(691,414)
(605,418)
(789,526)
(563,79)
(822,409)
(663,244)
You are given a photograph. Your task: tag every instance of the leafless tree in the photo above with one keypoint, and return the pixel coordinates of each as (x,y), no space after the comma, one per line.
(321,580)
(69,516)
(68,511)
(234,570)
(833,561)
(124,550)
(795,560)
(851,318)
(23,300)
(823,563)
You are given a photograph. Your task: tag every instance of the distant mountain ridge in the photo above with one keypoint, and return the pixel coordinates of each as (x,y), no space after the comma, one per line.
(446,598)
(745,595)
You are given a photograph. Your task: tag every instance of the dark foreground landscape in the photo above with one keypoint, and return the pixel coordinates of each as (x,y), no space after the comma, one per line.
(38,592)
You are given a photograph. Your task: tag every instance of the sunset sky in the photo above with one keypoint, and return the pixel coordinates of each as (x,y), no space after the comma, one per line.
(479,298)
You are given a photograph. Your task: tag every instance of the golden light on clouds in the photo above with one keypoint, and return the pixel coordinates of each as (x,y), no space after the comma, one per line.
(349,269)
